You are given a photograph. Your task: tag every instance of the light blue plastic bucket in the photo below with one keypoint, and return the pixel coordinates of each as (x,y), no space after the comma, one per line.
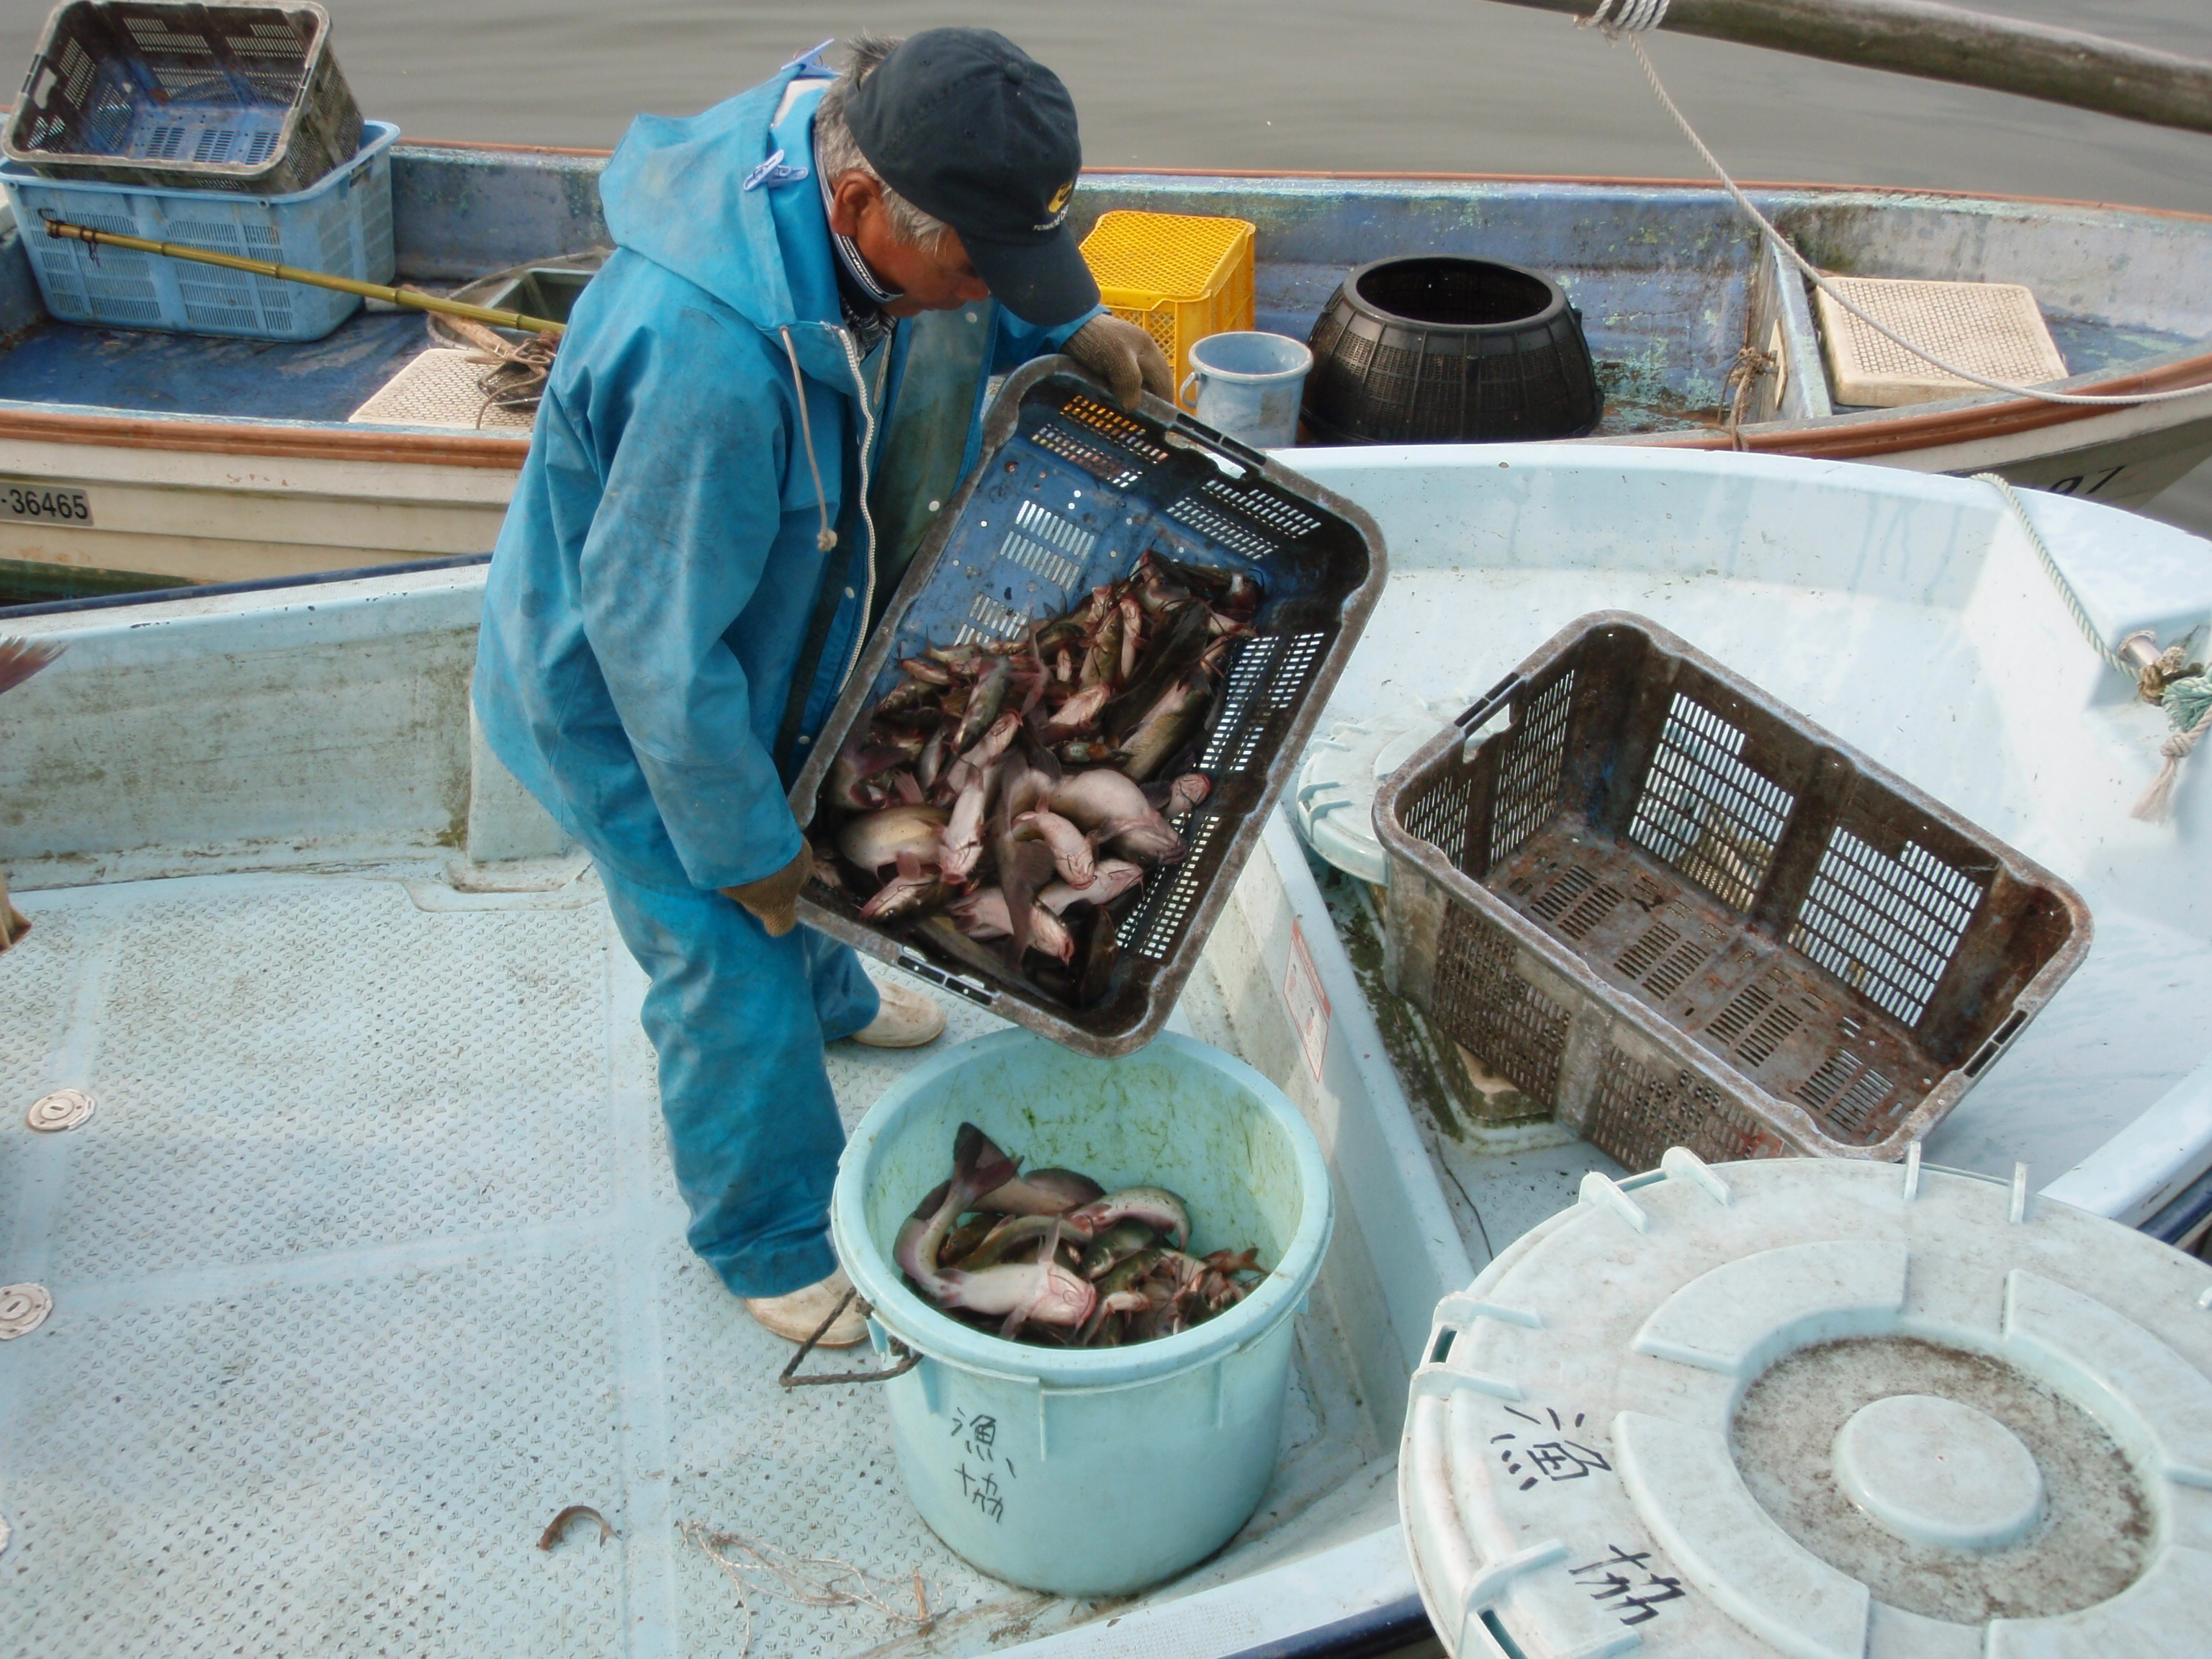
(1091,1472)
(1249,386)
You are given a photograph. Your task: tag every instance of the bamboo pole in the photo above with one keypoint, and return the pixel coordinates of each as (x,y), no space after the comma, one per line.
(398,296)
(1949,43)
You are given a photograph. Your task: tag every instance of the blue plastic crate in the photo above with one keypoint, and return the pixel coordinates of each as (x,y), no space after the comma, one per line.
(341,225)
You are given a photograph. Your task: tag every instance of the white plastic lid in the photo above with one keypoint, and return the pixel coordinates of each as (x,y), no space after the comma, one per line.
(1824,1408)
(1333,802)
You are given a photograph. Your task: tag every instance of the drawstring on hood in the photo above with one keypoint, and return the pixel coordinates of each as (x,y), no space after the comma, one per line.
(825,538)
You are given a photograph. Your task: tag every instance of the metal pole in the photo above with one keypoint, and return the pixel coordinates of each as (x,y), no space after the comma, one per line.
(398,296)
(1949,43)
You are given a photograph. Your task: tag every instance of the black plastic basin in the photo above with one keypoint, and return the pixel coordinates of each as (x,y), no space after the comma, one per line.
(1445,351)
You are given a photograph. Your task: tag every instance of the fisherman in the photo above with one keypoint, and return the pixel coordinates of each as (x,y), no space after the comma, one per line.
(760,402)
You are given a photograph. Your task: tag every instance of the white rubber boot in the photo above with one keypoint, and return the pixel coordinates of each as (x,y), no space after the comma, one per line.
(797,1315)
(908,1019)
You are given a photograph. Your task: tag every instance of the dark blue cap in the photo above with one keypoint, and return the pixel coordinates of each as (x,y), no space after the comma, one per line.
(973,131)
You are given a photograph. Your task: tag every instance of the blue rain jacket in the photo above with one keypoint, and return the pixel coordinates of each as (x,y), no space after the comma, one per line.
(658,576)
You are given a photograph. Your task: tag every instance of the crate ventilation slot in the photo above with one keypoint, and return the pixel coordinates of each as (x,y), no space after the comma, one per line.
(1846,1092)
(1048,544)
(1661,959)
(1529,773)
(1705,810)
(1755,1024)
(1112,425)
(1154,927)
(1226,528)
(1438,815)
(1886,926)
(1277,513)
(987,619)
(1266,678)
(1102,461)
(1482,1003)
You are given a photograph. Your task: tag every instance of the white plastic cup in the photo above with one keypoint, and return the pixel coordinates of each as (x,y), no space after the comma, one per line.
(1250,385)
(1092,1471)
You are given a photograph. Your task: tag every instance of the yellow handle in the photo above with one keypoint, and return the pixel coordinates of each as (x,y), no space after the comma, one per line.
(398,296)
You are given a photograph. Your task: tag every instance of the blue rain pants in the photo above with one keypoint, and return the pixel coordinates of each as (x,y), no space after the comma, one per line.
(739,1020)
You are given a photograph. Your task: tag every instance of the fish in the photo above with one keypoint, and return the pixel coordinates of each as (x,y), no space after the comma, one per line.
(1155,1206)
(927,669)
(874,840)
(1079,714)
(1089,800)
(20,659)
(907,894)
(965,1238)
(982,914)
(1187,793)
(984,701)
(1071,849)
(1124,1239)
(1167,725)
(1119,1290)
(1132,638)
(961,843)
(1150,840)
(1042,1192)
(1182,644)
(1043,1292)
(1102,659)
(1013,1233)
(984,752)
(977,1167)
(1110,878)
(929,765)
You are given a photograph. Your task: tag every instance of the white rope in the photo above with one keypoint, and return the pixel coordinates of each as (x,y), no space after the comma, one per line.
(1637,16)
(1632,22)
(2187,699)
(2066,594)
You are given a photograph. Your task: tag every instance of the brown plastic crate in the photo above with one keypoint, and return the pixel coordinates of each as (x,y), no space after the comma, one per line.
(176,94)
(1678,913)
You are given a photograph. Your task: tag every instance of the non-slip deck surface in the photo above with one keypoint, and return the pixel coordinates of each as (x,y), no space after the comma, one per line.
(368,1262)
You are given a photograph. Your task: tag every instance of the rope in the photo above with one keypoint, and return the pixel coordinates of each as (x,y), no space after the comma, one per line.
(1639,16)
(1636,17)
(824,538)
(2183,690)
(2112,659)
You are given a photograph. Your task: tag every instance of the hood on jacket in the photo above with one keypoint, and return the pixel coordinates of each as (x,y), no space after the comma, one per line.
(675,192)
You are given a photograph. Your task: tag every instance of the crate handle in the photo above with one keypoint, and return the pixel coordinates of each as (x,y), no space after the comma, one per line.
(922,967)
(1487,705)
(1199,433)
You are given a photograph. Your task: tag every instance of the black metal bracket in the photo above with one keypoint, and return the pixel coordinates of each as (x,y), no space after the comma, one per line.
(790,1378)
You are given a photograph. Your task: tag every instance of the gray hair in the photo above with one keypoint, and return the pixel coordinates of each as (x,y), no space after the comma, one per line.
(837,153)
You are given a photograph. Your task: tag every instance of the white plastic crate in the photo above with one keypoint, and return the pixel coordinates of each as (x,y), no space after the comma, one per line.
(341,226)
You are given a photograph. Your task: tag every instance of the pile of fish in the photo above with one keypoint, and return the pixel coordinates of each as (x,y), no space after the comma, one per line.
(1016,790)
(1053,1258)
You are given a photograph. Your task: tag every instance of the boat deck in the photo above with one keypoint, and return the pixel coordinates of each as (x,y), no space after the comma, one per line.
(370,1261)
(146,371)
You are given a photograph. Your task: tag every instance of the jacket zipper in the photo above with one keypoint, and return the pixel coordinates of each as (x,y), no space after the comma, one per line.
(867,519)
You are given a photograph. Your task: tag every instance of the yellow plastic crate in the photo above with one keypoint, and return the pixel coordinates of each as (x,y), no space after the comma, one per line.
(1178,275)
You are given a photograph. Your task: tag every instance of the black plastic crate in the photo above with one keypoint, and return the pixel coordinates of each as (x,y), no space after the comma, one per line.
(1071,491)
(1677,913)
(246,98)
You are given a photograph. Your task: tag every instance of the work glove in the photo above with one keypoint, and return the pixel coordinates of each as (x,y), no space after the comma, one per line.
(774,900)
(1124,356)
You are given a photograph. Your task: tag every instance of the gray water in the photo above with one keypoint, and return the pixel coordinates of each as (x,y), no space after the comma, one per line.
(1421,85)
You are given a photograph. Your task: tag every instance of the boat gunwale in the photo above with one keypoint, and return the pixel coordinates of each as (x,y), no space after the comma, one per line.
(1841,436)
(1635,181)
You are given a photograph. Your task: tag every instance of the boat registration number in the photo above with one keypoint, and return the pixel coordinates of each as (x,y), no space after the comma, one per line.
(43,503)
